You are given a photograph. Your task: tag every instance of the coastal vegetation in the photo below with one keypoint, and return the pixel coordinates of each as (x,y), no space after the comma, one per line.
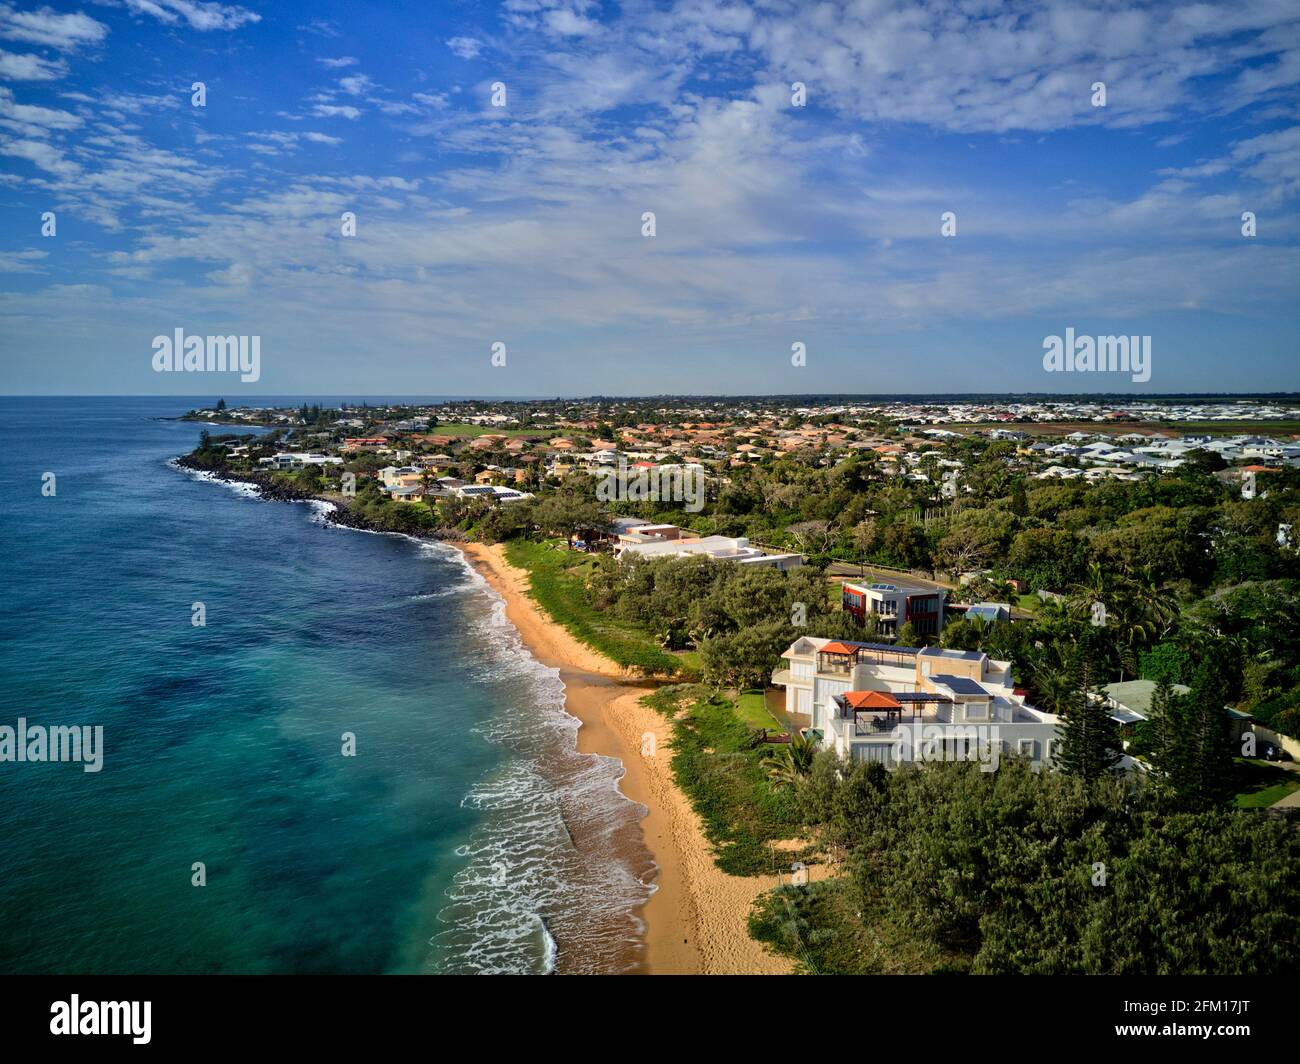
(558,580)
(717,760)
(1016,872)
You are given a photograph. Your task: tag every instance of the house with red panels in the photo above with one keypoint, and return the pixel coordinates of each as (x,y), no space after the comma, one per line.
(895,604)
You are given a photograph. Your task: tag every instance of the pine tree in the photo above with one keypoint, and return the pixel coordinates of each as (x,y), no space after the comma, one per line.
(1019,498)
(1207,760)
(1164,718)
(1090,738)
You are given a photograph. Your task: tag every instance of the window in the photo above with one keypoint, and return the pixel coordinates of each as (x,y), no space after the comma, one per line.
(882,752)
(1026,747)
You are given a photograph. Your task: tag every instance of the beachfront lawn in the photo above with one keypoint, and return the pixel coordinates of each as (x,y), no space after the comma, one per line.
(719,770)
(557,579)
(1259,784)
(752,709)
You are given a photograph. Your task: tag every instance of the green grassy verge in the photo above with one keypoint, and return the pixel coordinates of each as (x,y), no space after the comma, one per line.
(751,707)
(725,782)
(557,580)
(1260,784)
(1233,428)
(457,428)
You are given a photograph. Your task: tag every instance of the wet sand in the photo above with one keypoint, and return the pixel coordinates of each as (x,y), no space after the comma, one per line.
(696,921)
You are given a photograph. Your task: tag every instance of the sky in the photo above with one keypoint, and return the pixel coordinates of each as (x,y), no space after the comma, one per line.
(499,159)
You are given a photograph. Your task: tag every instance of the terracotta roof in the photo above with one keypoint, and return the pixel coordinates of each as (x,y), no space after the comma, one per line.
(871,700)
(838,648)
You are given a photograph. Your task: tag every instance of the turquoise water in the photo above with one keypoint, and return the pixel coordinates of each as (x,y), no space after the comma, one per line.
(447,844)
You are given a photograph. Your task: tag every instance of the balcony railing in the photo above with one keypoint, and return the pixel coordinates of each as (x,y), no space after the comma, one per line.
(836,668)
(867,723)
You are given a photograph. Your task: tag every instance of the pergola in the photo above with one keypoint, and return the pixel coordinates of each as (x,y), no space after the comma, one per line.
(837,657)
(880,711)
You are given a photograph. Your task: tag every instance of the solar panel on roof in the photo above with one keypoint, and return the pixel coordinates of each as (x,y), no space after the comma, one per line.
(962,685)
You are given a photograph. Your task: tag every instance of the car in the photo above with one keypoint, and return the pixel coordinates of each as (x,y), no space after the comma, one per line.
(1269,751)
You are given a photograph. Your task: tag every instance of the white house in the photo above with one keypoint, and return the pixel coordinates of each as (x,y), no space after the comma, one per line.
(722,548)
(490,492)
(298,459)
(877,702)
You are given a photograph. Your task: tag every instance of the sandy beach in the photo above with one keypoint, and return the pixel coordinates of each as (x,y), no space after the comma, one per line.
(696,919)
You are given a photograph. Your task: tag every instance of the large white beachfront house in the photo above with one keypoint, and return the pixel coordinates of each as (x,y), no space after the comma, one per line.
(878,702)
(669,541)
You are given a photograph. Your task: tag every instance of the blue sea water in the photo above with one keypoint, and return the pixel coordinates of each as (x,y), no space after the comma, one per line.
(466,835)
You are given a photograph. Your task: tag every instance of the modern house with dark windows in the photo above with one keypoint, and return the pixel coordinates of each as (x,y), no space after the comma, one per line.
(895,604)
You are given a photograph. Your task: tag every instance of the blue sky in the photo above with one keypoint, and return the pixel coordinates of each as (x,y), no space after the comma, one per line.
(522,224)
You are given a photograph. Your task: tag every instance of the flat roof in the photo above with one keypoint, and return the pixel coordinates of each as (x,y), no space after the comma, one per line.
(893,585)
(962,685)
(893,648)
(962,655)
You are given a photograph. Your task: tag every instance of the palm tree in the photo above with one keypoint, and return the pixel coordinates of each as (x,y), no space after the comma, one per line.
(1054,686)
(1133,628)
(1095,587)
(1157,601)
(789,764)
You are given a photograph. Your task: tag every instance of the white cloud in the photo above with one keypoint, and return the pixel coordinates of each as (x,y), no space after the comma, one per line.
(356,84)
(199,14)
(321,28)
(569,23)
(15,67)
(341,61)
(21,261)
(40,153)
(31,118)
(137,103)
(465,47)
(49,28)
(325,110)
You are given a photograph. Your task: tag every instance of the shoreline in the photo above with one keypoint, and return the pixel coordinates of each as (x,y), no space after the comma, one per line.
(696,921)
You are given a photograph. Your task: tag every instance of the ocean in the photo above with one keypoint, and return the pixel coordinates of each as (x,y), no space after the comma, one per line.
(446,844)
